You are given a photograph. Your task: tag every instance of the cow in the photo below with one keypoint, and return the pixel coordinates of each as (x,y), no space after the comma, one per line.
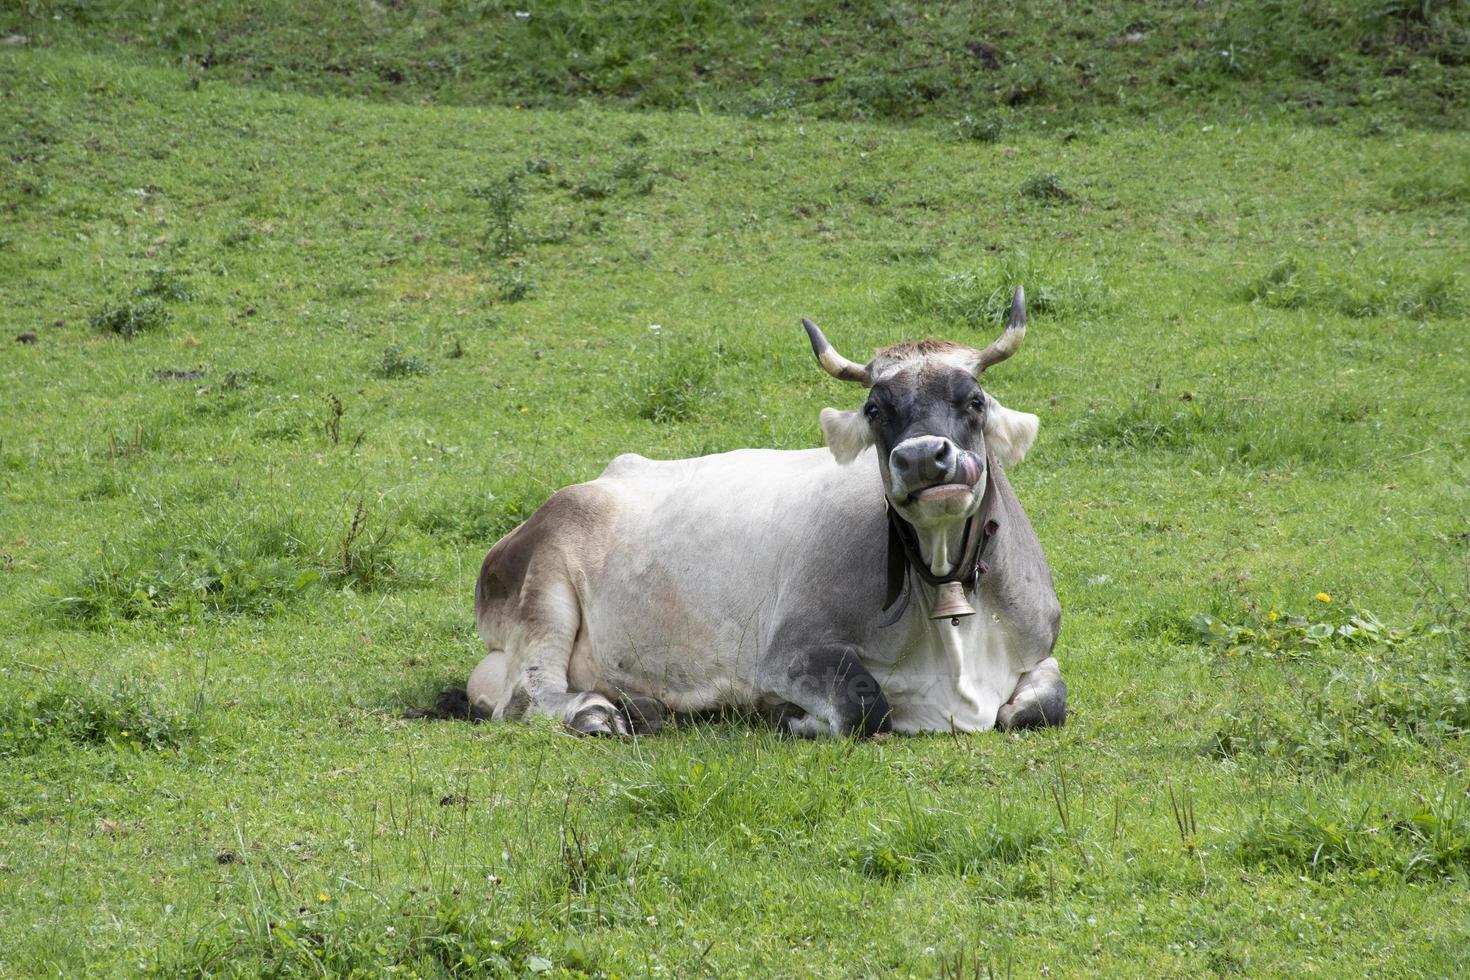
(888,582)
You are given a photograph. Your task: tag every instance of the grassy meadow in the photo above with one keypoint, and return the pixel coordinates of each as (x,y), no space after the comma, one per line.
(282,358)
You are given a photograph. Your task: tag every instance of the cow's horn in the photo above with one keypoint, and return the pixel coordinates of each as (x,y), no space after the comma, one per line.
(834,363)
(1009,342)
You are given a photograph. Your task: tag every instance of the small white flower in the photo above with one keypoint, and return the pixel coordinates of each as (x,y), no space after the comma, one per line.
(655,327)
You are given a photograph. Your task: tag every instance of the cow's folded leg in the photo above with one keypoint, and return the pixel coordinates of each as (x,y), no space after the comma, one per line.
(1040,699)
(592,714)
(645,715)
(544,679)
(825,691)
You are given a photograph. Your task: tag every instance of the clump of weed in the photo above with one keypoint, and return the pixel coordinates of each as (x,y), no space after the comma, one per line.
(680,789)
(735,796)
(981,298)
(593,190)
(239,234)
(1321,838)
(1240,428)
(479,519)
(1289,635)
(1352,717)
(363,555)
(986,128)
(504,199)
(634,174)
(396,364)
(249,569)
(130,318)
(1438,836)
(1367,689)
(1147,422)
(894,96)
(515,285)
(129,716)
(134,441)
(253,567)
(763,101)
(1047,188)
(332,423)
(164,284)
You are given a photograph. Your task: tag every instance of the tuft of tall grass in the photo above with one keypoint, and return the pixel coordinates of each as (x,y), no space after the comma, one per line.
(441,933)
(1230,426)
(396,364)
(130,318)
(1293,283)
(677,381)
(254,567)
(981,298)
(929,840)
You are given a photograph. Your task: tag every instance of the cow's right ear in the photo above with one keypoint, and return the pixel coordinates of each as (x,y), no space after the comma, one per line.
(847,433)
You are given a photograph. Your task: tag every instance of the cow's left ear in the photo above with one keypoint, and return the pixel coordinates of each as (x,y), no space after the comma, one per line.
(847,433)
(1008,434)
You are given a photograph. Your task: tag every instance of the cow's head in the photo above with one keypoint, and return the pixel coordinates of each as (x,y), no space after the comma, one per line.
(930,420)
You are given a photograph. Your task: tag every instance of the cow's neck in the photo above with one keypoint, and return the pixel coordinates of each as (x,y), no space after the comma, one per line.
(940,547)
(937,554)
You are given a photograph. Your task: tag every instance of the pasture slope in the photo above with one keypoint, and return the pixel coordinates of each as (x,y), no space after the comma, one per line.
(292,361)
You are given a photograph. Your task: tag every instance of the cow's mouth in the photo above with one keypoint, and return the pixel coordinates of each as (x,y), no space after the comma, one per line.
(944,492)
(960,487)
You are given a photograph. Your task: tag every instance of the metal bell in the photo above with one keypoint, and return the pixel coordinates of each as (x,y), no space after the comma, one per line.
(950,602)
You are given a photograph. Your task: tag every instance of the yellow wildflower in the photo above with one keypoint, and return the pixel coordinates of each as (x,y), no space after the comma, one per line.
(323,897)
(1323,597)
(1272,616)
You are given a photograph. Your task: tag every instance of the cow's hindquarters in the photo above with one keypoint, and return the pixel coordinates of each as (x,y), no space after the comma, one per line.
(530,614)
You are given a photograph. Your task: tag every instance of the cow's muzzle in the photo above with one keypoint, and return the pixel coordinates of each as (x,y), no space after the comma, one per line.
(933,468)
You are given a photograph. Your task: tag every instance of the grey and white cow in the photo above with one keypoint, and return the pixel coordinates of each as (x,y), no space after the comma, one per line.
(800,582)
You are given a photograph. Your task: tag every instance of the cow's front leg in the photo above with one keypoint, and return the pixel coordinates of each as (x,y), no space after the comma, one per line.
(824,690)
(1040,699)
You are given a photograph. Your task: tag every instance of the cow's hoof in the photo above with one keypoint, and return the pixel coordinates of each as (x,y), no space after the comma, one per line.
(598,719)
(645,715)
(1031,713)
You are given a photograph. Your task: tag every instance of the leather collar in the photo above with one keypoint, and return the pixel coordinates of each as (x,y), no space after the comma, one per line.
(904,559)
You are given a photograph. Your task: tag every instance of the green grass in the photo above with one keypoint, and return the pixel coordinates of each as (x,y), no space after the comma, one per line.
(236,544)
(974,70)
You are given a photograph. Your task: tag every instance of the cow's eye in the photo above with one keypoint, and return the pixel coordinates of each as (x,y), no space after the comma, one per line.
(871,411)
(977,404)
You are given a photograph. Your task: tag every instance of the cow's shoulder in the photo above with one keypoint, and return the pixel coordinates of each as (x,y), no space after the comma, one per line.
(1021,582)
(628,464)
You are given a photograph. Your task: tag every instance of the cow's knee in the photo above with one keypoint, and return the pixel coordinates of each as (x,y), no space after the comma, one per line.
(838,694)
(1040,700)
